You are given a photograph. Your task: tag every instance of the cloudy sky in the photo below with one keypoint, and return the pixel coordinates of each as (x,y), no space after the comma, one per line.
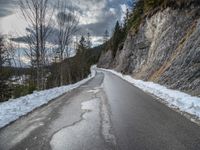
(95,15)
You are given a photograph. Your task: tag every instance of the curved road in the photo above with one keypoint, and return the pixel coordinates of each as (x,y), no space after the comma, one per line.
(106,113)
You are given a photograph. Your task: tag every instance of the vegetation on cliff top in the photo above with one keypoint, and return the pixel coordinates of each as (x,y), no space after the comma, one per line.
(143,8)
(140,10)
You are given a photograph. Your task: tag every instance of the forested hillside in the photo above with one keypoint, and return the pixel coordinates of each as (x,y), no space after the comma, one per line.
(19,81)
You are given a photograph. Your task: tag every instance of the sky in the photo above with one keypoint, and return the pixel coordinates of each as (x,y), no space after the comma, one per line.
(95,16)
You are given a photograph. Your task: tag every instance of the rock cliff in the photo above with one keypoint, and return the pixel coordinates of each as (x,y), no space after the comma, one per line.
(165,50)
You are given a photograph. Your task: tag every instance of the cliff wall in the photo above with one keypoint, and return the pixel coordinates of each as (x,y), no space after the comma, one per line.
(165,50)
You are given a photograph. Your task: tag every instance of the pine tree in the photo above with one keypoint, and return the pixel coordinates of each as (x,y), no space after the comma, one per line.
(105,36)
(116,39)
(81,53)
(82,44)
(126,19)
(88,42)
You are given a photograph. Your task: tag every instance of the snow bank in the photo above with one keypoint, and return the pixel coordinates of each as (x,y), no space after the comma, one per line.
(14,108)
(173,98)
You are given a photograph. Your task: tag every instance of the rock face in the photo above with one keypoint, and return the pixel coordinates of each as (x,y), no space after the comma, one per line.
(166,50)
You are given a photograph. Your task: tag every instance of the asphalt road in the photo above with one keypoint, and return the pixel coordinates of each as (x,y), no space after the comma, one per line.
(106,113)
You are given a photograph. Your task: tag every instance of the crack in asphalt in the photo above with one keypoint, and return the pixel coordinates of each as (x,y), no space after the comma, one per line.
(108,139)
(73,124)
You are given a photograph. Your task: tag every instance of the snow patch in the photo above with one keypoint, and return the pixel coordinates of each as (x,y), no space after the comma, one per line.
(173,98)
(15,108)
(93,91)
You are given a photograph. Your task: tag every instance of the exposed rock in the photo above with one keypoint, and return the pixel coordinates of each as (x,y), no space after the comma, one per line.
(166,50)
(106,59)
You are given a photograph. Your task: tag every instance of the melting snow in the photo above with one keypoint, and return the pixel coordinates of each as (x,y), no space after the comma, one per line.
(13,109)
(93,91)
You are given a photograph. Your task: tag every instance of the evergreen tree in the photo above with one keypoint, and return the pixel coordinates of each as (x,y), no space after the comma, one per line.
(81,56)
(82,44)
(105,36)
(88,42)
(116,39)
(126,20)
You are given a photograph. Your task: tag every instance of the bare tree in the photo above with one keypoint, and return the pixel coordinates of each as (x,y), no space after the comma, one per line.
(10,49)
(3,52)
(18,55)
(4,75)
(38,14)
(67,24)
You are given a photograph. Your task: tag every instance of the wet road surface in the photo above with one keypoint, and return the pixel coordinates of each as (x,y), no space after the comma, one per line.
(106,113)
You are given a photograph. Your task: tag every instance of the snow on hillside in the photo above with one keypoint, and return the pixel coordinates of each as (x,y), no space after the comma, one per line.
(173,98)
(15,108)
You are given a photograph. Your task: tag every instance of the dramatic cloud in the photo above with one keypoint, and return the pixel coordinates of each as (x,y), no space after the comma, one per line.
(95,16)
(7,7)
(99,15)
